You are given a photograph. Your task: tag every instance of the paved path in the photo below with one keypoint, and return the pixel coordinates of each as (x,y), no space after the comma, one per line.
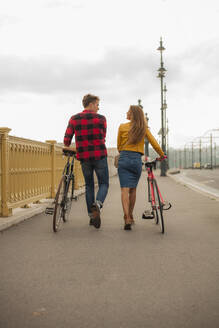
(206,181)
(82,277)
(208,177)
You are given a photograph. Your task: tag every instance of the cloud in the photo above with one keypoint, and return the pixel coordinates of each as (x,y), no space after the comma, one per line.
(8,20)
(128,69)
(121,72)
(199,66)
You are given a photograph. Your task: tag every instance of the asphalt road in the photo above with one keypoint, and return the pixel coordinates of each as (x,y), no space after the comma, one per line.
(82,277)
(207,177)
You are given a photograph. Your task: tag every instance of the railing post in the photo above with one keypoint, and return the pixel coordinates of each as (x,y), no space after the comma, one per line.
(53,169)
(4,210)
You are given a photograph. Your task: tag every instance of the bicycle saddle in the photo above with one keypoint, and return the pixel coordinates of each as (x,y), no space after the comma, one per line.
(151,164)
(67,152)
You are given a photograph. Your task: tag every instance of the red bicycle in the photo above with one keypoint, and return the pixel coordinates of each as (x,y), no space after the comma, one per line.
(158,205)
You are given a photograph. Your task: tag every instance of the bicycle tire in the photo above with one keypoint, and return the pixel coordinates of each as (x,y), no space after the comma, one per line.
(156,216)
(69,194)
(58,210)
(160,207)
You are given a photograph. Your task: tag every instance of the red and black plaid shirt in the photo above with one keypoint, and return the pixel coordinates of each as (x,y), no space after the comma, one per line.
(89,129)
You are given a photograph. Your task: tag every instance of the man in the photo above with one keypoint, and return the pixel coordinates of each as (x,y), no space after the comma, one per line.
(89,129)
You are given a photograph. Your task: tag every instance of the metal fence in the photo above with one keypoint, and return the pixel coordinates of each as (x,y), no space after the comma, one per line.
(30,171)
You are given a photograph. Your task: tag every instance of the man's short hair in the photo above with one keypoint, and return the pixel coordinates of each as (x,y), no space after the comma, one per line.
(87,99)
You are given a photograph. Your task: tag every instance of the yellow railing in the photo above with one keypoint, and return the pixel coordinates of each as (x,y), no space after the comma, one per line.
(30,171)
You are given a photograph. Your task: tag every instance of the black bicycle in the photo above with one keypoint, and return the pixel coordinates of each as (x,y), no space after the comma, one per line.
(65,193)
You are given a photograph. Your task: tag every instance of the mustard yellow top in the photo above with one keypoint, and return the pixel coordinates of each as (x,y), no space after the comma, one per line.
(139,147)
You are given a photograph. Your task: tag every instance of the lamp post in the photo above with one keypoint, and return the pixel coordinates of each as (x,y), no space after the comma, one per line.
(167,143)
(200,153)
(166,128)
(165,114)
(139,103)
(161,75)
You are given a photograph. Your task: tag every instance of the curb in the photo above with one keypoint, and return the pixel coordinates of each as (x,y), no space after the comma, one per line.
(20,214)
(196,186)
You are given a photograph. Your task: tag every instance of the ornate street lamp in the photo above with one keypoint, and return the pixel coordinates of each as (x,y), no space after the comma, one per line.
(166,129)
(161,75)
(165,112)
(139,103)
(167,145)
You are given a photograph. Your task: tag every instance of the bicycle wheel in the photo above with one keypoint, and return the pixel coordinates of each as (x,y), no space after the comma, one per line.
(156,216)
(159,209)
(154,209)
(59,208)
(69,194)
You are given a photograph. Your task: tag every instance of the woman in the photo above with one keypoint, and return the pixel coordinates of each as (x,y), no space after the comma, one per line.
(130,144)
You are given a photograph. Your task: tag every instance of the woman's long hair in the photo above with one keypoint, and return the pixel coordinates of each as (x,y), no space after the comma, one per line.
(138,125)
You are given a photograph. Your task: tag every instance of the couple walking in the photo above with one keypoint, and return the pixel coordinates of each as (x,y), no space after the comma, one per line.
(89,129)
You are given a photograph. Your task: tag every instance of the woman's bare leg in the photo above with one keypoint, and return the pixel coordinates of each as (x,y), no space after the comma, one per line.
(132,199)
(125,204)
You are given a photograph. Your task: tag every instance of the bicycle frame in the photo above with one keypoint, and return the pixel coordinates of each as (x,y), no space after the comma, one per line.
(151,195)
(69,176)
(68,165)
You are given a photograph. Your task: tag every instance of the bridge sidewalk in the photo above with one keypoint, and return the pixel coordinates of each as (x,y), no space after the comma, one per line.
(22,214)
(83,277)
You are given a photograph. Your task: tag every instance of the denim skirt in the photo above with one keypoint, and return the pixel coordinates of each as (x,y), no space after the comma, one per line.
(129,168)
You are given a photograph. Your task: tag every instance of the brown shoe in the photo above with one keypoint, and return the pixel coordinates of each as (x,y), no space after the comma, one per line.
(96,216)
(127,226)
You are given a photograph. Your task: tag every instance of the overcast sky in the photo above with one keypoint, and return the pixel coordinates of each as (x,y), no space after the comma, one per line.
(53,52)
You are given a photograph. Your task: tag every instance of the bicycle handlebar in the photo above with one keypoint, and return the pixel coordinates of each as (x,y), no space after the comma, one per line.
(161,158)
(158,159)
(153,163)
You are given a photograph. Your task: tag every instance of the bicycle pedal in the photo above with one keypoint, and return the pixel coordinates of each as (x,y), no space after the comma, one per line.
(148,215)
(166,206)
(49,211)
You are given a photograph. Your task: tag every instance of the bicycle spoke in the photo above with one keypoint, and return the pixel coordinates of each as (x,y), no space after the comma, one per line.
(69,194)
(156,216)
(160,207)
(58,211)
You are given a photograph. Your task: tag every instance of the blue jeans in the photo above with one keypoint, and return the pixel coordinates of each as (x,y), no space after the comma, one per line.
(101,169)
